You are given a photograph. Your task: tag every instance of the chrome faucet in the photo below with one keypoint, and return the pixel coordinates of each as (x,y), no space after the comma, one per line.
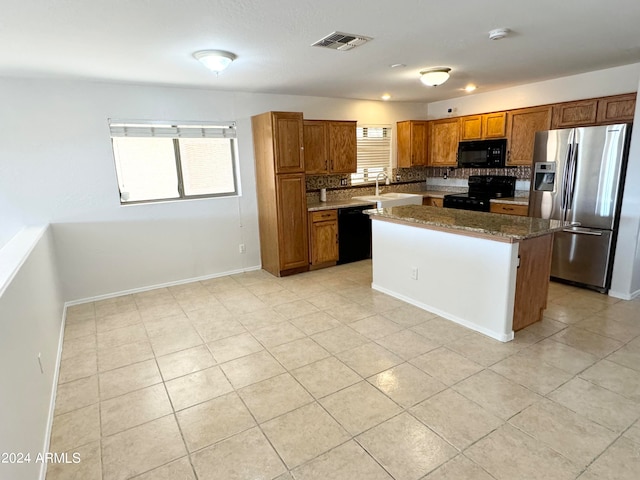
(378,179)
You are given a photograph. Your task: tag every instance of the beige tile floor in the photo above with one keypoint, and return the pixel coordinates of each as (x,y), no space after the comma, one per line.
(316,376)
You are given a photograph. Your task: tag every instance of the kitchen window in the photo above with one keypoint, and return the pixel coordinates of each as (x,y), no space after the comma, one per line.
(374,153)
(173,161)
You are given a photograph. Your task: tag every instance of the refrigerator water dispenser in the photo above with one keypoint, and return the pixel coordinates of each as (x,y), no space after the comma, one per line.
(544,176)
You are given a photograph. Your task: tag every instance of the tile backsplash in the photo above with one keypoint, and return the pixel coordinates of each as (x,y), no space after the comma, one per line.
(403,176)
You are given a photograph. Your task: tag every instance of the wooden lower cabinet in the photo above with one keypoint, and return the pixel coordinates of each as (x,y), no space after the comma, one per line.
(323,238)
(509,209)
(292,221)
(532,280)
(432,201)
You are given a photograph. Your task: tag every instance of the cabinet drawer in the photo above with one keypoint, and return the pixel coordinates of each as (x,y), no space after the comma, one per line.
(509,209)
(324,215)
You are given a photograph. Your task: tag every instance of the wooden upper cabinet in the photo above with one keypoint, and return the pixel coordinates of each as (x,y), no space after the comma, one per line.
(443,142)
(575,114)
(288,142)
(617,109)
(330,146)
(316,159)
(480,127)
(494,125)
(522,126)
(595,111)
(343,149)
(412,143)
(291,200)
(471,127)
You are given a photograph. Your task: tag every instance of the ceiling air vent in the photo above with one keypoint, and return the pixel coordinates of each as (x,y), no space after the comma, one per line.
(341,41)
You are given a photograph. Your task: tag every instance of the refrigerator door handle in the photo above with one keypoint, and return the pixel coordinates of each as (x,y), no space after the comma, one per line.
(582,231)
(565,181)
(572,178)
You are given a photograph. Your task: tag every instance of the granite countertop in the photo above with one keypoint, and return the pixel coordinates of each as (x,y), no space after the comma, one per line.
(333,204)
(509,228)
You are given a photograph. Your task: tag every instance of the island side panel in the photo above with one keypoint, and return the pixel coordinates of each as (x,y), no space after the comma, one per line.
(532,282)
(468,280)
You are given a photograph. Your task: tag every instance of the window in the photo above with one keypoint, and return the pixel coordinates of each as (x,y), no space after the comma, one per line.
(156,162)
(374,153)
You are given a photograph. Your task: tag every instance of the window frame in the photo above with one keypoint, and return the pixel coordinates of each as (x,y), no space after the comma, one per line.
(233,145)
(388,168)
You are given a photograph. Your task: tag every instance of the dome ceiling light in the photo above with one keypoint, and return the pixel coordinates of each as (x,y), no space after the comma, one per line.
(433,77)
(215,60)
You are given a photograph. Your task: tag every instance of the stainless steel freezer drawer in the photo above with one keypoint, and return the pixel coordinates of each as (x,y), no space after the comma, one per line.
(582,255)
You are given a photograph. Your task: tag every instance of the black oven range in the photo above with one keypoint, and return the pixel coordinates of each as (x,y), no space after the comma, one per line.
(482,188)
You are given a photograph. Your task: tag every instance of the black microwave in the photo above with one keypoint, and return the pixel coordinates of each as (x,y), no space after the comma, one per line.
(482,153)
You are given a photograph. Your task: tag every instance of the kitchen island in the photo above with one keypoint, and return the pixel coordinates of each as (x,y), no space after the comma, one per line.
(485,271)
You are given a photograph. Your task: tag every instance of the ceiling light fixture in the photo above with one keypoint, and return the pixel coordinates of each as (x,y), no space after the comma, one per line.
(498,33)
(435,76)
(470,88)
(215,60)
(385,97)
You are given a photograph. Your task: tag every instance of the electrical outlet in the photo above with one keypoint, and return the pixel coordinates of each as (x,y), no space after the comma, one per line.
(242,248)
(414,273)
(397,177)
(343,182)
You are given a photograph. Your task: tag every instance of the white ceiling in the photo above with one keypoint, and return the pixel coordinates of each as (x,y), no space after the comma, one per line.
(152,42)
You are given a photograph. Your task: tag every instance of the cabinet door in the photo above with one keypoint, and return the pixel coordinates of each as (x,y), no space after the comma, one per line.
(315,147)
(522,127)
(419,136)
(288,142)
(494,125)
(443,142)
(412,143)
(324,242)
(343,153)
(292,221)
(471,127)
(617,109)
(574,114)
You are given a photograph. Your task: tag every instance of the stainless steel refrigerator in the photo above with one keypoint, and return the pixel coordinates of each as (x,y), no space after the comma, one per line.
(578,177)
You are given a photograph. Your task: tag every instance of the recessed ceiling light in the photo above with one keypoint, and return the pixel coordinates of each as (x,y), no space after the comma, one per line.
(385,96)
(498,33)
(397,65)
(470,88)
(215,60)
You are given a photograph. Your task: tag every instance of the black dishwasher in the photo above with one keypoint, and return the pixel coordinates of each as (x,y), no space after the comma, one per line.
(354,234)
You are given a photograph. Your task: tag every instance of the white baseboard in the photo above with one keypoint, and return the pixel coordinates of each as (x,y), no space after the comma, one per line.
(624,296)
(54,391)
(489,333)
(160,285)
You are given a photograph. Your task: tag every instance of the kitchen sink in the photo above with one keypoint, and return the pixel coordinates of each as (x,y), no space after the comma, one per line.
(392,199)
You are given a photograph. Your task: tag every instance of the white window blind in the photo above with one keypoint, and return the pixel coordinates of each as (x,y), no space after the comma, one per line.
(374,153)
(158,161)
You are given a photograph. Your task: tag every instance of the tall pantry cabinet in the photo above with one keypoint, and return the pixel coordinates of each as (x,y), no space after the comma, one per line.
(280,183)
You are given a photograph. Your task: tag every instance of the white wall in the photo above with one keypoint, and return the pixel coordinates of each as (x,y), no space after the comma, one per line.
(626,269)
(612,81)
(31,309)
(600,83)
(57,167)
